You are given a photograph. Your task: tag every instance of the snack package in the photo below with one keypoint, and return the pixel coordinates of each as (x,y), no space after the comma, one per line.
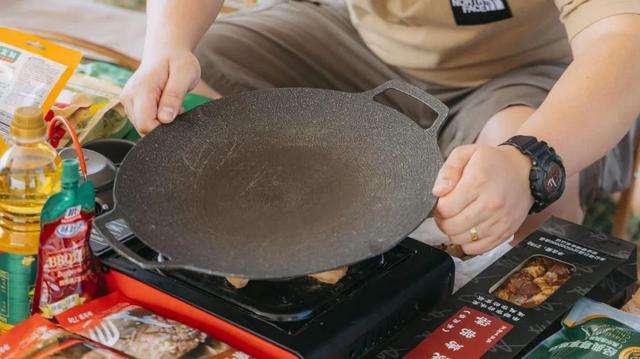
(38,338)
(33,71)
(593,330)
(114,321)
(68,274)
(90,100)
(92,105)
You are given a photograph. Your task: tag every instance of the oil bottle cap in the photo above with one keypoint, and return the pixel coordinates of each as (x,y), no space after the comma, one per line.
(70,171)
(28,122)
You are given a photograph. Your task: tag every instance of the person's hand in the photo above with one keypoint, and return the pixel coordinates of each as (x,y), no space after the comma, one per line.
(486,188)
(154,94)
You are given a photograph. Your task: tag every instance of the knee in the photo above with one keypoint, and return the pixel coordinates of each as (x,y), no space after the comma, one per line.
(209,49)
(220,56)
(504,124)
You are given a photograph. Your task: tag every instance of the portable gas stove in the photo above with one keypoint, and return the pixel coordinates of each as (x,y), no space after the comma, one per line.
(301,315)
(298,317)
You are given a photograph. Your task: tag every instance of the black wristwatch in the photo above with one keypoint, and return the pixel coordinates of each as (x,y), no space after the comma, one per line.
(547,176)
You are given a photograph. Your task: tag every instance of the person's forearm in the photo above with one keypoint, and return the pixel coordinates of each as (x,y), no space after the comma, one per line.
(175,24)
(597,99)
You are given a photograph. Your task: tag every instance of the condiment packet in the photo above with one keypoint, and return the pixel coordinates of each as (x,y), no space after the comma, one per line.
(37,337)
(116,322)
(68,273)
(33,71)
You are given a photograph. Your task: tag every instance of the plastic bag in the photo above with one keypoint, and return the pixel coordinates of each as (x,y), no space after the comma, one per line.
(466,268)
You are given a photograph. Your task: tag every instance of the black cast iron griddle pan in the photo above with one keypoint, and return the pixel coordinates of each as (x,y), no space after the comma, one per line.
(279,183)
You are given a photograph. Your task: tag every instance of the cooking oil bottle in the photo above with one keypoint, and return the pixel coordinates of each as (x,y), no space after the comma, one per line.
(30,172)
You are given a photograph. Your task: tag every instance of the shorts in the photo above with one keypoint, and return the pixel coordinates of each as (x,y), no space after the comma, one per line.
(287,43)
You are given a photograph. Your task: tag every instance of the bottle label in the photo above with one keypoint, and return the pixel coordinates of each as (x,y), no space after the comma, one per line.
(17,279)
(69,273)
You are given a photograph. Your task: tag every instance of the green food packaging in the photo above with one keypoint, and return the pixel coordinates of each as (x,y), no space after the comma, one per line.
(593,330)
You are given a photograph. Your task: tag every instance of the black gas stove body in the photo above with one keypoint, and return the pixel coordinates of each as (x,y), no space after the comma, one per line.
(310,319)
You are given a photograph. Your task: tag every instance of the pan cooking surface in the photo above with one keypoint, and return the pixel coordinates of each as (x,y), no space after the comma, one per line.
(279,183)
(279,190)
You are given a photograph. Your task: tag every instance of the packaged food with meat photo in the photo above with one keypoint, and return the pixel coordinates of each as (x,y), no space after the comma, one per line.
(38,338)
(593,330)
(115,322)
(522,298)
(68,274)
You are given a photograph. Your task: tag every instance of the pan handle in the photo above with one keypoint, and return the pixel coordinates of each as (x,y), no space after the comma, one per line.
(104,221)
(430,101)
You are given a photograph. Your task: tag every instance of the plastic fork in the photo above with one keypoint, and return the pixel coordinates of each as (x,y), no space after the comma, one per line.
(106,333)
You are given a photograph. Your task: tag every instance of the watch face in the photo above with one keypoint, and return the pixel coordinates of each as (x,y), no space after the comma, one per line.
(554,177)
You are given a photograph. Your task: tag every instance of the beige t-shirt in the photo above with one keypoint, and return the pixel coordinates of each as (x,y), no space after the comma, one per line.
(467,42)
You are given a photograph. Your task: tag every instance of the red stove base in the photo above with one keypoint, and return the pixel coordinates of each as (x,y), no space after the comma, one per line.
(354,323)
(171,307)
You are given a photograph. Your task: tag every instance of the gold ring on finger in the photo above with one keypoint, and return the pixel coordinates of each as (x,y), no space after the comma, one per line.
(474,234)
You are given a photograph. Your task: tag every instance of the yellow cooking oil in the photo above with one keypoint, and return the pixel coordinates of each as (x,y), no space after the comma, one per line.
(30,172)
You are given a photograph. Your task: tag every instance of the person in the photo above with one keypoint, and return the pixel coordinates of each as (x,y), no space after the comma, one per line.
(563,75)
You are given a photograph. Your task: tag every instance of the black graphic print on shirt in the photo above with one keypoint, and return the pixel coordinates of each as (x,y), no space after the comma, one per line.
(476,12)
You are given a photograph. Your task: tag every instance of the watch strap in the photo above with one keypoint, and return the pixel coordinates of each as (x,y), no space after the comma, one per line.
(540,154)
